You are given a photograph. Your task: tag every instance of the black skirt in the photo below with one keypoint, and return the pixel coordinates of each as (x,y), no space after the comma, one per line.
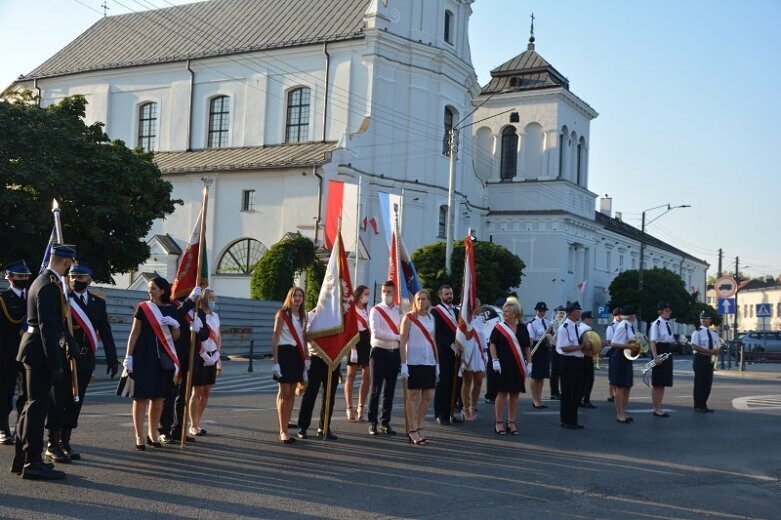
(621,375)
(422,377)
(290,363)
(203,375)
(541,362)
(662,375)
(363,348)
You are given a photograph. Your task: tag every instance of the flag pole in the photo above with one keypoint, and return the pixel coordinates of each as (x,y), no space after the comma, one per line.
(399,277)
(207,181)
(358,225)
(71,361)
(327,416)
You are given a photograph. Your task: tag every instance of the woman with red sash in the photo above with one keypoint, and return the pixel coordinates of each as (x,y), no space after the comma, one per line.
(291,358)
(359,359)
(207,363)
(510,352)
(474,359)
(151,355)
(419,363)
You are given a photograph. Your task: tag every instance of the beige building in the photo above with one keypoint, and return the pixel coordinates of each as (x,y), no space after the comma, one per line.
(754,297)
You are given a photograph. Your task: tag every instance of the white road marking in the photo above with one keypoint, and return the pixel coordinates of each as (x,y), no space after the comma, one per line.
(757,402)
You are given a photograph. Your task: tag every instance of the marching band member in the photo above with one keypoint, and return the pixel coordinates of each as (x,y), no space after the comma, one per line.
(291,358)
(446,317)
(611,329)
(151,358)
(705,343)
(510,353)
(662,339)
(419,363)
(538,327)
(384,360)
(571,365)
(586,319)
(621,367)
(475,358)
(359,358)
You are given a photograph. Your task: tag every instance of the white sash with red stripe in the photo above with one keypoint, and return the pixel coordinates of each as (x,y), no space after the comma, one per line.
(361,320)
(448,318)
(294,333)
(509,335)
(162,332)
(85,323)
(391,324)
(414,319)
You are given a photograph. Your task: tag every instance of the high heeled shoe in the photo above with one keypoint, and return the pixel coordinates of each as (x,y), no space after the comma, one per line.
(352,414)
(498,431)
(140,446)
(514,430)
(360,411)
(155,443)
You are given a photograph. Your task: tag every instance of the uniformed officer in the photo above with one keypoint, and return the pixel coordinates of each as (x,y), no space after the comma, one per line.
(571,366)
(705,343)
(662,339)
(13,307)
(90,322)
(586,320)
(40,353)
(608,350)
(539,327)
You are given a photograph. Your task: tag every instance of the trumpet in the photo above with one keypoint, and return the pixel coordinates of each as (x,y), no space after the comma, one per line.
(641,342)
(650,365)
(558,320)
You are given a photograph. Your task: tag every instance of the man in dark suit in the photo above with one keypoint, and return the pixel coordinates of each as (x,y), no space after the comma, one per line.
(446,320)
(90,324)
(13,307)
(40,353)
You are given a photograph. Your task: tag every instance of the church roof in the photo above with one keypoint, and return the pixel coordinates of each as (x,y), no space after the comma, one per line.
(247,158)
(167,243)
(204,29)
(526,71)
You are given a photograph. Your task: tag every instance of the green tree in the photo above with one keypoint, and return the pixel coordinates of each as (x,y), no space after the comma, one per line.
(274,273)
(315,274)
(692,315)
(498,270)
(658,284)
(109,195)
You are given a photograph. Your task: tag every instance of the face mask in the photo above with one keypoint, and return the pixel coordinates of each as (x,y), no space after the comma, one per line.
(388,299)
(80,286)
(20,285)
(212,305)
(365,300)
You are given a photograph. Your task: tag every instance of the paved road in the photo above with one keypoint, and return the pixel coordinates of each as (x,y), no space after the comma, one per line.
(721,465)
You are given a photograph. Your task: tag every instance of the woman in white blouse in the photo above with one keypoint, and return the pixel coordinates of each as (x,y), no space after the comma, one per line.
(359,359)
(207,363)
(419,363)
(474,360)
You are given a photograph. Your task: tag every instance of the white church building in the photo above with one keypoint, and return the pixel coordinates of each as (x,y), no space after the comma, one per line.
(273,99)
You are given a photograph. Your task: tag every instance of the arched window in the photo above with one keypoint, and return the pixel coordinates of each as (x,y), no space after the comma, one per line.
(450,119)
(297,125)
(219,120)
(563,146)
(241,256)
(509,164)
(147,126)
(449,19)
(581,179)
(442,229)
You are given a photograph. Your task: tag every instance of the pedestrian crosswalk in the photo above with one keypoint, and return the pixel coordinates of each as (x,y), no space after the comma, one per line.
(226,384)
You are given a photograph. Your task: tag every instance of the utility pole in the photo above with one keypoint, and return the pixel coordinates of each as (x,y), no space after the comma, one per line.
(737,289)
(721,253)
(452,149)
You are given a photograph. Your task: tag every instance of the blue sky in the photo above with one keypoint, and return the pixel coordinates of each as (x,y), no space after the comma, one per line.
(687,93)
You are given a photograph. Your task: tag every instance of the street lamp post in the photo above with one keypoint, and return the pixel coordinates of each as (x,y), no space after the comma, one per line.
(642,236)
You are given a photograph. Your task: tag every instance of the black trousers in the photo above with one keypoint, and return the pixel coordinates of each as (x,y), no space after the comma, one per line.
(318,377)
(571,384)
(588,379)
(490,379)
(384,366)
(703,379)
(9,373)
(64,412)
(443,393)
(173,409)
(29,430)
(555,362)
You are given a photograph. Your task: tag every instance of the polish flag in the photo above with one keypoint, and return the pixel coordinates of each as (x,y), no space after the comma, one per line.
(468,293)
(582,287)
(342,203)
(186,273)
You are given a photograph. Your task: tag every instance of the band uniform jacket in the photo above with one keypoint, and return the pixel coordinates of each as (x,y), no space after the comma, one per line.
(95,309)
(40,346)
(12,311)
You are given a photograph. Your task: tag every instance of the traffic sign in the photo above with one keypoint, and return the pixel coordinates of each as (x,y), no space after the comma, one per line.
(763,310)
(603,315)
(726,306)
(726,286)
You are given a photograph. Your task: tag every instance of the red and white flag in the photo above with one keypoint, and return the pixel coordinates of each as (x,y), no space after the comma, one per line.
(468,293)
(187,272)
(333,330)
(582,287)
(342,204)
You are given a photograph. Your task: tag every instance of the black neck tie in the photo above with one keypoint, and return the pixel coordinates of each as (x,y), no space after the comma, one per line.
(543,325)
(669,330)
(577,336)
(84,299)
(633,328)
(710,339)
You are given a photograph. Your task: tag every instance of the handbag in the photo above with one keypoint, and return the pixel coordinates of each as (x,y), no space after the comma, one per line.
(126,385)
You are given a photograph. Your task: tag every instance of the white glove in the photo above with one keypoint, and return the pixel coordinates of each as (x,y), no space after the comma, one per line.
(404,370)
(217,359)
(196,325)
(461,370)
(437,372)
(354,355)
(307,364)
(207,359)
(195,294)
(528,369)
(276,370)
(455,348)
(485,357)
(497,366)
(170,321)
(128,363)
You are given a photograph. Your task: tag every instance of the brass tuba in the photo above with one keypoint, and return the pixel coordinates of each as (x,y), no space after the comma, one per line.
(641,341)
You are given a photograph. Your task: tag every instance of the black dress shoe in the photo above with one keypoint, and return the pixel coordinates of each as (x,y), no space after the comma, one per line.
(700,410)
(456,420)
(372,429)
(41,471)
(163,439)
(587,404)
(302,434)
(330,436)
(572,426)
(74,455)
(443,422)
(663,414)
(611,399)
(387,430)
(55,454)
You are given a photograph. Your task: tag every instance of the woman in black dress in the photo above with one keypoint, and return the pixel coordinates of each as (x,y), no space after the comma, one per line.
(207,362)
(148,362)
(359,358)
(509,364)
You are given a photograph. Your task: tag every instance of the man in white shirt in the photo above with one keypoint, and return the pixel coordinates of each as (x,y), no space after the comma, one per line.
(570,366)
(611,329)
(705,343)
(662,340)
(384,360)
(586,319)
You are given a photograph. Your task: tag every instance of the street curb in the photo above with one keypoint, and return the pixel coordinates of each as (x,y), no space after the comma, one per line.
(766,376)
